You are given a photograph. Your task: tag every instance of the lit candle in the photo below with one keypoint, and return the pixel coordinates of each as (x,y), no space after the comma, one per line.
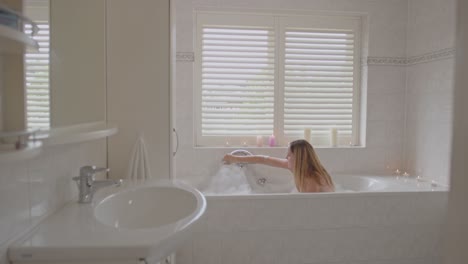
(333,136)
(259,141)
(397,172)
(272,141)
(307,134)
(244,143)
(405,174)
(227,144)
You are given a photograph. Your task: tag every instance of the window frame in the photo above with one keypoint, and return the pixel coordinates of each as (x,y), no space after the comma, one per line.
(279,21)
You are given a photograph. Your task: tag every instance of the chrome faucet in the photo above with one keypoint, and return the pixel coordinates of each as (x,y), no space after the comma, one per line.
(87,185)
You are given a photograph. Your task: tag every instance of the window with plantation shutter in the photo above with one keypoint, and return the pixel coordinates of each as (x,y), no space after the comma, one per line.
(276,74)
(321,61)
(236,77)
(37,80)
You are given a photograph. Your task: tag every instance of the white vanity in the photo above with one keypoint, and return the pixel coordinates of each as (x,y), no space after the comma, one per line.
(137,222)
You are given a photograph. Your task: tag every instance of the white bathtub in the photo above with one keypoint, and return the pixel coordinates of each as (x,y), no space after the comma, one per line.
(281,183)
(371,219)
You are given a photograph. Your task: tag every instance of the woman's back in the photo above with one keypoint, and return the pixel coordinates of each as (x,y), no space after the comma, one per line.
(311,185)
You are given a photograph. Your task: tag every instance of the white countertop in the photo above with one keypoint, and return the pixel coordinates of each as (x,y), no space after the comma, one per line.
(73,233)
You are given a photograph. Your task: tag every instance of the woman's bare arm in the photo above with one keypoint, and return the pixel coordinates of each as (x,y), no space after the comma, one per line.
(257,159)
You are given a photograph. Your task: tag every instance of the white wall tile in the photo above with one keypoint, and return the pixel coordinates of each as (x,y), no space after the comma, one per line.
(385,211)
(185,253)
(385,106)
(386,79)
(431,25)
(371,160)
(207,248)
(334,160)
(376,131)
(387,28)
(276,214)
(310,246)
(235,248)
(37,187)
(14,201)
(229,215)
(429,114)
(45,193)
(266,247)
(332,213)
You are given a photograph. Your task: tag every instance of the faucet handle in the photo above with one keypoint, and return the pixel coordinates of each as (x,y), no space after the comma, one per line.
(89,171)
(97,170)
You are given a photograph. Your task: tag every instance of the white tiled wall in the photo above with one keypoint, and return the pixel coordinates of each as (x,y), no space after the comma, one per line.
(385,97)
(32,189)
(408,125)
(341,228)
(431,26)
(429,98)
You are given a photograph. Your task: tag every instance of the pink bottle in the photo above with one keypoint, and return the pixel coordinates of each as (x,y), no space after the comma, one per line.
(272,141)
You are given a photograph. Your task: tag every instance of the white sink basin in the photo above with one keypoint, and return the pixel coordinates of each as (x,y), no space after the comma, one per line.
(146,207)
(136,221)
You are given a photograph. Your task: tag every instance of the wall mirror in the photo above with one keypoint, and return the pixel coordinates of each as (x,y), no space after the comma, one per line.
(64,82)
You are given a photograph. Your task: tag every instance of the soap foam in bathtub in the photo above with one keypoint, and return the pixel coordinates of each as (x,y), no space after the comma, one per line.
(230,179)
(339,188)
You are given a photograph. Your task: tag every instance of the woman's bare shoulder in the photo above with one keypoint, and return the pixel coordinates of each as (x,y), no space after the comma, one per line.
(311,185)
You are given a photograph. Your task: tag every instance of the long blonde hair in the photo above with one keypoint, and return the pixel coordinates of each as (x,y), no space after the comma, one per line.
(307,164)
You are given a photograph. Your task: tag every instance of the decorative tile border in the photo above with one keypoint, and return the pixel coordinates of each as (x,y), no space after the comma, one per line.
(393,61)
(401,61)
(431,56)
(185,56)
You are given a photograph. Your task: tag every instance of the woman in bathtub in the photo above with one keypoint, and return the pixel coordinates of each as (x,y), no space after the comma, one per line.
(301,160)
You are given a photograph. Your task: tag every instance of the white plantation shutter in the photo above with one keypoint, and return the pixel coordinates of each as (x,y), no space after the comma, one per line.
(280,76)
(237,81)
(37,80)
(318,81)
(237,78)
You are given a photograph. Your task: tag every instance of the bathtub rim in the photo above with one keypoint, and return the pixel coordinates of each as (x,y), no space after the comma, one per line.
(255,196)
(393,190)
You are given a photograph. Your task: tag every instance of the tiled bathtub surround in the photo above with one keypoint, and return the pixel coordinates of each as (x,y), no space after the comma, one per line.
(339,228)
(32,189)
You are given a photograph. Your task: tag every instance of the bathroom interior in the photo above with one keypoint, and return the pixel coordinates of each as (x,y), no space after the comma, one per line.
(126,88)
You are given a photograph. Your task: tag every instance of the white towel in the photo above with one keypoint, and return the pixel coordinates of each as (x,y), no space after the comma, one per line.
(138,167)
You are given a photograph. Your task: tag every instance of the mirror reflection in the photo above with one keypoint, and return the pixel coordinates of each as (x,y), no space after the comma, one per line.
(36,67)
(64,80)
